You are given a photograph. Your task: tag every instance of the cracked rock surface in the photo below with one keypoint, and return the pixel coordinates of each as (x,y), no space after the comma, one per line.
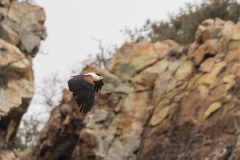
(160,100)
(21,31)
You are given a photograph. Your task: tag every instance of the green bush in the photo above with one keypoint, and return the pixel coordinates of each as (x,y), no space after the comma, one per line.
(19,144)
(182,26)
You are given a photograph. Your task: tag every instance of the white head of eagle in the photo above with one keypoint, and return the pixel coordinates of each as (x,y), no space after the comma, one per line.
(83,87)
(95,76)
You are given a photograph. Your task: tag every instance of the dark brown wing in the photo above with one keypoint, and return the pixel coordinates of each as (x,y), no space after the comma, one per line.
(98,85)
(83,91)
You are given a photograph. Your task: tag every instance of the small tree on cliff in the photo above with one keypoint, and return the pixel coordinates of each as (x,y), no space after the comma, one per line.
(27,133)
(181,27)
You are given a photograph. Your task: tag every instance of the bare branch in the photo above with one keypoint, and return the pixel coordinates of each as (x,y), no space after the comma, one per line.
(50,91)
(102,57)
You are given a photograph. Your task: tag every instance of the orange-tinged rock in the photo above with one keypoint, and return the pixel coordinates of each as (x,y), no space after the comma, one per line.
(209,29)
(232,55)
(149,75)
(130,59)
(234,44)
(212,108)
(121,53)
(211,46)
(135,104)
(218,67)
(189,106)
(124,88)
(211,32)
(228,97)
(158,115)
(161,86)
(218,93)
(199,54)
(163,106)
(203,90)
(207,78)
(185,69)
(140,87)
(147,114)
(126,124)
(165,47)
(235,69)
(162,49)
(171,85)
(207,65)
(176,91)
(229,85)
(173,65)
(129,122)
(228,78)
(193,82)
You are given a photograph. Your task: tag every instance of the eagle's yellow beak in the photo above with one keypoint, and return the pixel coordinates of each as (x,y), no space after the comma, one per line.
(101,77)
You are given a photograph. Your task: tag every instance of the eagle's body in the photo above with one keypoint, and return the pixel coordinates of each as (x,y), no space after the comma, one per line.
(83,87)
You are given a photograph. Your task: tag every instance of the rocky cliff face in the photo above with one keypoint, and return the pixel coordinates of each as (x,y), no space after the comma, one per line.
(21,30)
(159,101)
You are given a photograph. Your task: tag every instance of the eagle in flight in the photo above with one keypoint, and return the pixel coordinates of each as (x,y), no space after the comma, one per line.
(83,87)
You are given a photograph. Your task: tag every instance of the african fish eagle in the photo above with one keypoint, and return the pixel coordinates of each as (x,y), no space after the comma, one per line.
(83,87)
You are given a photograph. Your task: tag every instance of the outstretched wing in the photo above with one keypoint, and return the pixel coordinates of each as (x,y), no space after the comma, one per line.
(98,84)
(83,91)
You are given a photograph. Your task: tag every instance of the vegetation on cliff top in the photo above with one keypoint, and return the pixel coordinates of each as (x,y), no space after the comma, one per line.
(181,26)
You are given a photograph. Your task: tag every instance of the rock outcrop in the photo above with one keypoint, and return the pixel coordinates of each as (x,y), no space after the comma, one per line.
(159,101)
(21,30)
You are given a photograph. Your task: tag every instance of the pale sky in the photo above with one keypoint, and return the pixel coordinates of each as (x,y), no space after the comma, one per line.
(71,24)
